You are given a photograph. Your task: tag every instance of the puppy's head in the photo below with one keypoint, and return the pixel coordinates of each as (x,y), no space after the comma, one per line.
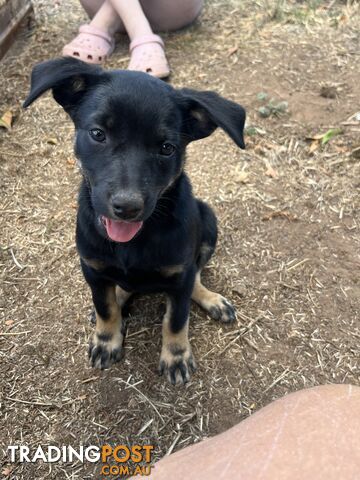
(131,134)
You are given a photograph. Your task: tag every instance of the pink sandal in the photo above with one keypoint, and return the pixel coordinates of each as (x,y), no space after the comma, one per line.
(148,55)
(91,45)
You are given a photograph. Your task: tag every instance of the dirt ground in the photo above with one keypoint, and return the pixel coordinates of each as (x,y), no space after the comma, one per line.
(288,255)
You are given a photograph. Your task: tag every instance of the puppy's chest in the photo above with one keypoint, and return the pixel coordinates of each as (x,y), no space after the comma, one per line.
(142,279)
(151,280)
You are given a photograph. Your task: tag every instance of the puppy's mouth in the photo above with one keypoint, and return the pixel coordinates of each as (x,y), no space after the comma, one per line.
(119,230)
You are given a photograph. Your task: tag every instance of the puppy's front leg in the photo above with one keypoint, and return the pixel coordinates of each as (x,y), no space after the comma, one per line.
(176,360)
(105,347)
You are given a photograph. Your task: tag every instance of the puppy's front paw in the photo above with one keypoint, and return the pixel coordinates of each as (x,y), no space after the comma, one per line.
(221,309)
(177,363)
(105,349)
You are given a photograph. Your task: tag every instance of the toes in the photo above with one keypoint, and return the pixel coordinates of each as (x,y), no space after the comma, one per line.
(215,312)
(228,312)
(103,354)
(99,357)
(161,369)
(192,364)
(177,371)
(185,374)
(116,355)
(223,311)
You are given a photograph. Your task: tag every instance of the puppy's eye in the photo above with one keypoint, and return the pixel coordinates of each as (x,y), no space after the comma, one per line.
(97,135)
(167,149)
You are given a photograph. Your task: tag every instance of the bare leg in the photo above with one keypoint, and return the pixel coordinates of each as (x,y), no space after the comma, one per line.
(311,434)
(107,19)
(163,15)
(146,49)
(91,7)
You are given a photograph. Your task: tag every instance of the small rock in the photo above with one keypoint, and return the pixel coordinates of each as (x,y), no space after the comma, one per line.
(264,112)
(328,91)
(240,289)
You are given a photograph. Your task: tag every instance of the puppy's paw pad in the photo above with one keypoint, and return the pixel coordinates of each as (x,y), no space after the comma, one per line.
(177,366)
(222,310)
(104,350)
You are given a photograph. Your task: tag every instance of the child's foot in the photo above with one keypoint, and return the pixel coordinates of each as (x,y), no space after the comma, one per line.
(92,45)
(148,55)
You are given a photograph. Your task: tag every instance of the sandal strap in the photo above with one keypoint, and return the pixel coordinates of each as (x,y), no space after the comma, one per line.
(97,32)
(146,39)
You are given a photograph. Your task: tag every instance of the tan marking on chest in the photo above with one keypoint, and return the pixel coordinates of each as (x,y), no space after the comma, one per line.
(93,263)
(171,270)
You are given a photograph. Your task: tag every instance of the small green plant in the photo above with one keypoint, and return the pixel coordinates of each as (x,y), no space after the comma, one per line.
(330,134)
(272,107)
(251,131)
(282,11)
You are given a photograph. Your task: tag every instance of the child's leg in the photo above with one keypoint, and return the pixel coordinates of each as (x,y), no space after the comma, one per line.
(146,49)
(105,18)
(91,7)
(165,15)
(133,17)
(310,434)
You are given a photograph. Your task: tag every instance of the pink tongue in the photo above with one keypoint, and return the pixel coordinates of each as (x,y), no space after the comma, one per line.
(120,231)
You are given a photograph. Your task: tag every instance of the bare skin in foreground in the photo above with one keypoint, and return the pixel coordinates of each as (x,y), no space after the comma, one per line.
(311,434)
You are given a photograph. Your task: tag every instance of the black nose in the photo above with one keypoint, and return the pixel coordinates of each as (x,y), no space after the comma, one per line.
(127,206)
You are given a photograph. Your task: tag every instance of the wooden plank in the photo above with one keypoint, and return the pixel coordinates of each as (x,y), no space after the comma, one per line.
(12,13)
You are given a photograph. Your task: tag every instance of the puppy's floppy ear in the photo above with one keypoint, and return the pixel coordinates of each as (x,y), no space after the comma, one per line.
(205,111)
(68,78)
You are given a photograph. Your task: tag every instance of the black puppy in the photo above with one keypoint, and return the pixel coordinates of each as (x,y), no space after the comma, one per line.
(139,228)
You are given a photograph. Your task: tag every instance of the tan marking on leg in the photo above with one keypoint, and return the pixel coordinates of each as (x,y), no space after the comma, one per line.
(205,249)
(176,359)
(171,270)
(201,294)
(93,263)
(121,296)
(106,344)
(170,339)
(215,304)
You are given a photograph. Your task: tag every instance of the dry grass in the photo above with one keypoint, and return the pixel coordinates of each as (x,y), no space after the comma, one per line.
(288,254)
